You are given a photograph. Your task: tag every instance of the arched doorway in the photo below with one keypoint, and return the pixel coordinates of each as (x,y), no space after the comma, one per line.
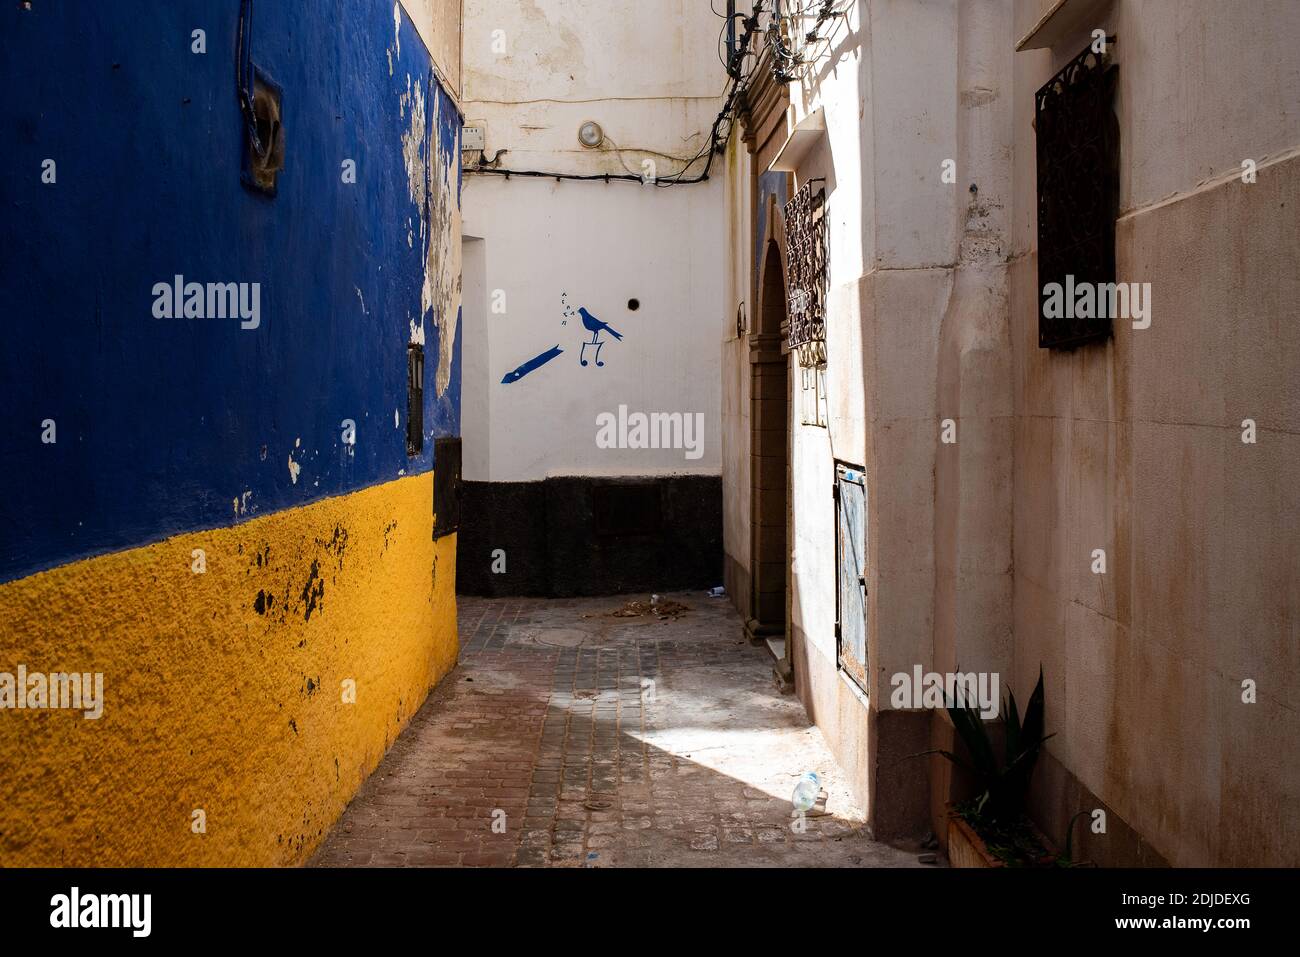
(769,448)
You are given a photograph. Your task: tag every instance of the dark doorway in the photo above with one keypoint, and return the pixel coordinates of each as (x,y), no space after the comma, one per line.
(769,452)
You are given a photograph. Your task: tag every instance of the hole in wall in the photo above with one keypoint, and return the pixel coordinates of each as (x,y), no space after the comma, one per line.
(634,304)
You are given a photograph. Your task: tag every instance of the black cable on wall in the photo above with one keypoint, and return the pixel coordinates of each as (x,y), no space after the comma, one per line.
(719,133)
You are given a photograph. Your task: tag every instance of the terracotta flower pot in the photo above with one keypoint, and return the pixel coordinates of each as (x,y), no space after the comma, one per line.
(967,849)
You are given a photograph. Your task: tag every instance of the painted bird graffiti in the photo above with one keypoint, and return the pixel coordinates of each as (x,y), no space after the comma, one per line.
(594,344)
(594,325)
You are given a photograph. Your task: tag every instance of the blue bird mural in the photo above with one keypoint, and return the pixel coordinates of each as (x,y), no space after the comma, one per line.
(594,325)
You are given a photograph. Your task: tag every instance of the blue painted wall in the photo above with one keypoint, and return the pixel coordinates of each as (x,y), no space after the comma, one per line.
(162,423)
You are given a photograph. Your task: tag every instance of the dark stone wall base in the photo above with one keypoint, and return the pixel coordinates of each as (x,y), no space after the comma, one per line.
(570,536)
(900,783)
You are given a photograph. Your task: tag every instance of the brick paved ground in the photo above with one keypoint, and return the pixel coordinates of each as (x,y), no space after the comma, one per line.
(570,737)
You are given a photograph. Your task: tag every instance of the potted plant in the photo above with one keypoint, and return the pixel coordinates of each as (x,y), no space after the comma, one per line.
(992,829)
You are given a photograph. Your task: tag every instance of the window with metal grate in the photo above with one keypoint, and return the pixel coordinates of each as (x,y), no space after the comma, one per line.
(1078,195)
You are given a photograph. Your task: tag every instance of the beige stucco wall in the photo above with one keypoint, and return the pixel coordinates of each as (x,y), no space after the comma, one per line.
(439,25)
(916,332)
(736,390)
(1135,447)
(979,553)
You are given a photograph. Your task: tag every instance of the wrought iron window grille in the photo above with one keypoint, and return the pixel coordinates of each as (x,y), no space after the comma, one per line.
(1078,194)
(806,249)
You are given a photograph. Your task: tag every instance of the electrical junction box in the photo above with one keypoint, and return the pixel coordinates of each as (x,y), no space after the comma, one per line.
(473,138)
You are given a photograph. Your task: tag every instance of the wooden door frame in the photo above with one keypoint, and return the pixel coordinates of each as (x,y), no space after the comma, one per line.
(769,372)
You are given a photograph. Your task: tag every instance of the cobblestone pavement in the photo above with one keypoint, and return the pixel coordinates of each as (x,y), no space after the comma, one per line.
(571,737)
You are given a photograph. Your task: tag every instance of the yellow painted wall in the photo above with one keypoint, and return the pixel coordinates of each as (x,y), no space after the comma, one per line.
(213,704)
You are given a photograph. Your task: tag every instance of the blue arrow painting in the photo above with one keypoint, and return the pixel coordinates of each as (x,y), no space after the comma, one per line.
(533,363)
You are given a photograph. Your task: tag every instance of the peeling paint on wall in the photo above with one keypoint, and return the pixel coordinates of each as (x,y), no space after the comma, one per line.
(413,144)
(432,158)
(442,277)
(225,404)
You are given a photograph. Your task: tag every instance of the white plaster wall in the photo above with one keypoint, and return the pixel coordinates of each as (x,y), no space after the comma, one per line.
(916,329)
(916,332)
(476,373)
(603,245)
(566,50)
(834,85)
(649,75)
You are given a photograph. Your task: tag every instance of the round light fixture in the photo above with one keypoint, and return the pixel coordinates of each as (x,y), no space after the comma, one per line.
(590,134)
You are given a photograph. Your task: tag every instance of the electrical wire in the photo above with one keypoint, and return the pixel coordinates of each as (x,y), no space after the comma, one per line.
(726,20)
(244,75)
(737,84)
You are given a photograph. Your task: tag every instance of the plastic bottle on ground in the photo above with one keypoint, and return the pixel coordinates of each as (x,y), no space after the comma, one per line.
(806,791)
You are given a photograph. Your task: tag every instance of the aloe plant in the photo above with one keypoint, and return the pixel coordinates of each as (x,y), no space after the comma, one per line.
(1002,781)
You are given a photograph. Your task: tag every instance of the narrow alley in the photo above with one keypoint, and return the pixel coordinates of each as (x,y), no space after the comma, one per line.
(605,741)
(648,438)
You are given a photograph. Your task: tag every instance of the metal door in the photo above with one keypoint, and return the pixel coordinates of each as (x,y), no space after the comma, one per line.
(851,574)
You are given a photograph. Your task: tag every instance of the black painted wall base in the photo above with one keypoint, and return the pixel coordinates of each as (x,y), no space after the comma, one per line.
(571,536)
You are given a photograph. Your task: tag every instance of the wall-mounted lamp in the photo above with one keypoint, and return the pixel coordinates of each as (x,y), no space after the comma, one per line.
(590,134)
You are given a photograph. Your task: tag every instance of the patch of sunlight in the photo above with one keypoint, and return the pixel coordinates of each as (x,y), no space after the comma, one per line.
(767,760)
